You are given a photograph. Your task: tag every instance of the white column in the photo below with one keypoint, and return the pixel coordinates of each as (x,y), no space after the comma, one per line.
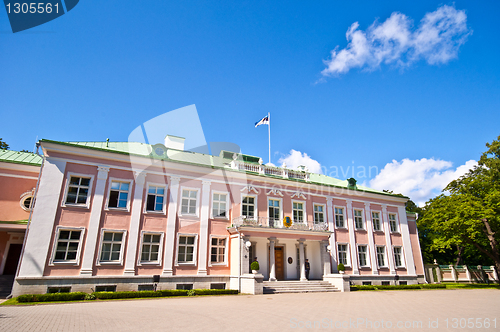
(331,227)
(272,263)
(352,238)
(302,260)
(95,220)
(388,242)
(371,241)
(168,260)
(135,221)
(205,210)
(405,235)
(41,227)
(325,257)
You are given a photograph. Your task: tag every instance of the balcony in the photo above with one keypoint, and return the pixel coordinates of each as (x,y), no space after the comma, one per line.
(277,223)
(281,172)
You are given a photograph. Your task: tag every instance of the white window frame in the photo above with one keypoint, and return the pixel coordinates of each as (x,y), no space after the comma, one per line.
(322,212)
(343,216)
(255,210)
(280,219)
(164,207)
(24,197)
(160,249)
(129,194)
(195,250)
(53,261)
(66,189)
(348,254)
(304,214)
(381,225)
(226,217)
(122,246)
(210,263)
(385,256)
(197,207)
(396,223)
(402,257)
(367,255)
(363,227)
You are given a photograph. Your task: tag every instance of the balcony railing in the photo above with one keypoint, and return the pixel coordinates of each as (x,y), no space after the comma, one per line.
(277,223)
(282,172)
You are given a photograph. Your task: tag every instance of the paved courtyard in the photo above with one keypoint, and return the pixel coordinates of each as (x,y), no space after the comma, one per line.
(421,310)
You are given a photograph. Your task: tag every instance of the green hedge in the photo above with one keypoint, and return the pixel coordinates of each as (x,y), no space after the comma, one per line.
(492,285)
(396,287)
(432,286)
(119,295)
(51,297)
(361,288)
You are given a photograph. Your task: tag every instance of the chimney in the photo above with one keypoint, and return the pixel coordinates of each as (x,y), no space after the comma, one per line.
(174,142)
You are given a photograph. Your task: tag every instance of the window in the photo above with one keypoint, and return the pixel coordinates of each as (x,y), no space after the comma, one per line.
(189,198)
(27,201)
(218,250)
(274,212)
(118,195)
(298,211)
(362,255)
(342,250)
(398,258)
(358,219)
(111,246)
(386,283)
(146,287)
(184,286)
(393,223)
(156,198)
(106,288)
(186,249)
(339,217)
(150,250)
(219,208)
(51,290)
(319,214)
(248,207)
(78,190)
(376,221)
(366,283)
(67,246)
(381,256)
(218,286)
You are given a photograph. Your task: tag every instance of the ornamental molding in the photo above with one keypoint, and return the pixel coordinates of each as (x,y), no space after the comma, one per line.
(250,189)
(275,192)
(299,194)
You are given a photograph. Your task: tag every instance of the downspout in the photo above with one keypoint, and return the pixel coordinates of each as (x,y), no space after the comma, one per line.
(33,201)
(239,259)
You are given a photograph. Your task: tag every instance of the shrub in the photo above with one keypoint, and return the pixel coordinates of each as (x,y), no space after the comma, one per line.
(362,287)
(341,267)
(390,287)
(76,296)
(432,286)
(255,266)
(191,292)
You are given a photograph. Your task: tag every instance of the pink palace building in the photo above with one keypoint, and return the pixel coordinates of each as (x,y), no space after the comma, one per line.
(121,216)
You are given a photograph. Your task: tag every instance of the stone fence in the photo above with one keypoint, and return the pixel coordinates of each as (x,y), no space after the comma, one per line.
(435,273)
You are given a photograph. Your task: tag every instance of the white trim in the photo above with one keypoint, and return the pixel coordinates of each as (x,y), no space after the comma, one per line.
(255,208)
(66,187)
(122,247)
(381,224)
(348,254)
(304,213)
(76,262)
(281,207)
(344,216)
(367,255)
(195,250)
(225,263)
(386,257)
(363,221)
(212,204)
(398,226)
(129,194)
(402,257)
(197,207)
(323,212)
(165,197)
(8,175)
(160,249)
(24,196)
(19,167)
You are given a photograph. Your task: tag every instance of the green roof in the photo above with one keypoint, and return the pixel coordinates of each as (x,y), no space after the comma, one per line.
(146,150)
(16,157)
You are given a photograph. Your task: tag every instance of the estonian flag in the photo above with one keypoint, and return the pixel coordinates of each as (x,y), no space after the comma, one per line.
(265,120)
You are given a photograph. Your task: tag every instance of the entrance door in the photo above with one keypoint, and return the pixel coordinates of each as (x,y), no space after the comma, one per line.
(280,266)
(12,259)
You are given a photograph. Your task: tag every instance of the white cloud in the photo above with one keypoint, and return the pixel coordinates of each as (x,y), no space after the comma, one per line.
(436,40)
(297,158)
(420,179)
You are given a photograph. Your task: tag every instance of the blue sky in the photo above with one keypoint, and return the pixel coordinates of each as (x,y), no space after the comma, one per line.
(106,67)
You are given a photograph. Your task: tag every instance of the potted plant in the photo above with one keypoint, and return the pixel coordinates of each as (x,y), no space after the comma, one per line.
(255,267)
(341,268)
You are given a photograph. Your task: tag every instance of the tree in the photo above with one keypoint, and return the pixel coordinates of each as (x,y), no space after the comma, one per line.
(3,145)
(470,214)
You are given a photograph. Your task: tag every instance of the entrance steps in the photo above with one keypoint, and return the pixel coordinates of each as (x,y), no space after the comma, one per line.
(6,282)
(280,287)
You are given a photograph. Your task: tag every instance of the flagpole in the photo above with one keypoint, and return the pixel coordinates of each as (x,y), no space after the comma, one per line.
(269,134)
